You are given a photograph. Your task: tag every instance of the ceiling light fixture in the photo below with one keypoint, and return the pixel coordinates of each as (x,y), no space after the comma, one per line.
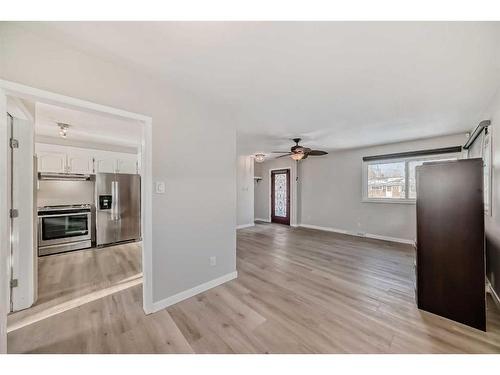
(63,129)
(297,156)
(259,158)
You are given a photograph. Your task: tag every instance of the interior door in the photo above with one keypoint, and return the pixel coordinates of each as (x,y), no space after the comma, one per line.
(23,260)
(280,196)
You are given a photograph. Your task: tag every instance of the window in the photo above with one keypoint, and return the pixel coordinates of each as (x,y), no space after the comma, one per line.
(394,180)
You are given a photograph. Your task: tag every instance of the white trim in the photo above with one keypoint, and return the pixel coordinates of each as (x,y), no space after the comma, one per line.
(367,235)
(245,225)
(264,220)
(494,295)
(389,200)
(23,91)
(21,107)
(176,298)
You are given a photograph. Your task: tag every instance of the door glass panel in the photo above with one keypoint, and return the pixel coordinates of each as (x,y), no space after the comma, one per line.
(280,195)
(64,226)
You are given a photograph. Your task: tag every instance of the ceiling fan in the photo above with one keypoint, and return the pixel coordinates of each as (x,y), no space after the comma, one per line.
(298,152)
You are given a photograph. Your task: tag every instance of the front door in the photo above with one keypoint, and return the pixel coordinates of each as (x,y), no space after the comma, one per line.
(280,196)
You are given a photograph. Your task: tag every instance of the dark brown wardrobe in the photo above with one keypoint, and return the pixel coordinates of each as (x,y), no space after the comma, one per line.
(450,264)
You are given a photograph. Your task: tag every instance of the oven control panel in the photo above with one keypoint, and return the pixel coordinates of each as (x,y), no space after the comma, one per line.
(104,202)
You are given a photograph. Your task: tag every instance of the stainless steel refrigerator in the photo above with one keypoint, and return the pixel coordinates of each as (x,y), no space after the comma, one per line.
(118,207)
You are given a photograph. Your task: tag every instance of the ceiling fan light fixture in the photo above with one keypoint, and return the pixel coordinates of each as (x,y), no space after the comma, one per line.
(297,156)
(259,158)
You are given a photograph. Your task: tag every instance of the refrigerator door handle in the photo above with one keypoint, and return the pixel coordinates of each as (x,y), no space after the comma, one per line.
(117,200)
(113,200)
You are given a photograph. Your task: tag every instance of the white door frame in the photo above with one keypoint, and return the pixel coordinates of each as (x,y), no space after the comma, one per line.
(8,88)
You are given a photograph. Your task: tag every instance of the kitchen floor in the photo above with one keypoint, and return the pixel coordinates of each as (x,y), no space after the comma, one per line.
(70,279)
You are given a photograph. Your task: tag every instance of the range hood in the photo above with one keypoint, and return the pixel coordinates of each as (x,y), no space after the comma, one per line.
(63,176)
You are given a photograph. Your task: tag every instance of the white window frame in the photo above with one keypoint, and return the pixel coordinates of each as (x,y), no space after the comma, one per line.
(406,160)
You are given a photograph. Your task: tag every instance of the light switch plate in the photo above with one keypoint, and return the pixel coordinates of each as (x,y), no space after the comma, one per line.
(160,187)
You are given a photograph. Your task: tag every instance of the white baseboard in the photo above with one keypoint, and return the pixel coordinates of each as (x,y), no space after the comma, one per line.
(245,225)
(169,301)
(264,220)
(367,235)
(494,295)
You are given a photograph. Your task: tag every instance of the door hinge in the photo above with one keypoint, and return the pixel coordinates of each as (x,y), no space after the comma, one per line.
(14,212)
(14,283)
(14,143)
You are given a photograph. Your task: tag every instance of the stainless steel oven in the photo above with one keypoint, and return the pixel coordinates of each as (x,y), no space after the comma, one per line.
(64,228)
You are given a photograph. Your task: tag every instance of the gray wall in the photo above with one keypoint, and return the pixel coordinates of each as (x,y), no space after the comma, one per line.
(245,190)
(328,191)
(331,192)
(196,216)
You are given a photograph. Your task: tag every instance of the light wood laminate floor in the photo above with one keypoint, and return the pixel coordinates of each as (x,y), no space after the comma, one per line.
(71,278)
(298,291)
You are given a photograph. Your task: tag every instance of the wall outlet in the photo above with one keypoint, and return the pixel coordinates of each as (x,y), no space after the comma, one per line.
(160,187)
(213,261)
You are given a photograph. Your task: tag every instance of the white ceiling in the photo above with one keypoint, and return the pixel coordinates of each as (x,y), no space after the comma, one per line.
(335,84)
(88,127)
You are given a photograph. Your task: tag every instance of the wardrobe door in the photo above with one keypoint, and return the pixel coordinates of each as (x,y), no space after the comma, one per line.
(450,238)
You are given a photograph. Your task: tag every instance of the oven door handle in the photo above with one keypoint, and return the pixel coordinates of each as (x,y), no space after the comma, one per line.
(59,215)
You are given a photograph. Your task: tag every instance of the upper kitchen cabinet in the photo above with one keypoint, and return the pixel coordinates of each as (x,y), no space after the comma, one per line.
(79,161)
(65,159)
(51,159)
(104,162)
(126,163)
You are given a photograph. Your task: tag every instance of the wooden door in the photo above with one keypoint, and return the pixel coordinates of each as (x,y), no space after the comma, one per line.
(280,196)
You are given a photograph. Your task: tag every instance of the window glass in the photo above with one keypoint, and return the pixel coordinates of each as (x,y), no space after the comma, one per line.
(386,180)
(393,180)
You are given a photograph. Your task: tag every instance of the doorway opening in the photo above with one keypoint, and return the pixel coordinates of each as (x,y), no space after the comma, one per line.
(280,196)
(90,238)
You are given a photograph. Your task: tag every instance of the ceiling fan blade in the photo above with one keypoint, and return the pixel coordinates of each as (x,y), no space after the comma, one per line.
(287,154)
(317,153)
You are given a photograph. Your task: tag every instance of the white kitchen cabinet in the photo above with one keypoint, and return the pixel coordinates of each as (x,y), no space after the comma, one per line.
(51,162)
(66,159)
(126,163)
(79,161)
(51,159)
(104,162)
